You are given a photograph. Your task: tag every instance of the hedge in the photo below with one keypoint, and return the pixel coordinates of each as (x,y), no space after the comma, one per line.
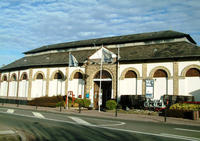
(83,102)
(46,101)
(185,107)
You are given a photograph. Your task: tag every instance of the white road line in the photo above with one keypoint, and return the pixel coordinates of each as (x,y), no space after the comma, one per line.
(7,132)
(38,115)
(112,123)
(180,137)
(118,129)
(10,111)
(187,130)
(79,120)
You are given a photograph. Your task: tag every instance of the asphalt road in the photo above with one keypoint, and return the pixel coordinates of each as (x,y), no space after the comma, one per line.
(49,126)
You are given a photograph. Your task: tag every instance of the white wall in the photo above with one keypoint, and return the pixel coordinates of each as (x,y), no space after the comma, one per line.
(151,66)
(38,88)
(4,88)
(193,87)
(56,86)
(160,87)
(23,88)
(189,85)
(13,89)
(122,67)
(184,64)
(77,86)
(128,86)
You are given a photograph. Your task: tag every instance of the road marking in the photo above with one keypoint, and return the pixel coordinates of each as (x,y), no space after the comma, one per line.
(7,132)
(10,111)
(118,129)
(79,120)
(180,137)
(112,123)
(38,115)
(187,130)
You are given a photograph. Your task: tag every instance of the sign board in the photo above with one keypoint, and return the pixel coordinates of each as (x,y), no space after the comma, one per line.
(87,95)
(149,83)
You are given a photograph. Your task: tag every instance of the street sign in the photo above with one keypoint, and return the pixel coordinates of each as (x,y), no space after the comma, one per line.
(149,88)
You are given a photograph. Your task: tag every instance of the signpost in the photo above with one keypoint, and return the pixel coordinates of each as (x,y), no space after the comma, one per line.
(149,88)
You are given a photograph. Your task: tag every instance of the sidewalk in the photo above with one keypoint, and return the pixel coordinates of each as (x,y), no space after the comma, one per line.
(96,113)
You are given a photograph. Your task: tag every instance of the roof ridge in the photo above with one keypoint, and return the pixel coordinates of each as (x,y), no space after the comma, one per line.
(166,34)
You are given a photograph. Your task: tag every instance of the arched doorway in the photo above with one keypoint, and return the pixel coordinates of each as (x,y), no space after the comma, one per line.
(160,83)
(130,83)
(106,88)
(23,85)
(13,86)
(193,83)
(38,85)
(78,84)
(58,80)
(4,85)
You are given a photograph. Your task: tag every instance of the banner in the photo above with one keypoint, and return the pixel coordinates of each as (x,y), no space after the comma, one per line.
(72,61)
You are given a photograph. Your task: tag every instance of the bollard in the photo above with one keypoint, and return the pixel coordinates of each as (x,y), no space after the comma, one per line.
(60,108)
(165,114)
(79,108)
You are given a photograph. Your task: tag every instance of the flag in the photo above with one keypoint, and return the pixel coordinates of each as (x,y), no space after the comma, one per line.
(72,61)
(106,56)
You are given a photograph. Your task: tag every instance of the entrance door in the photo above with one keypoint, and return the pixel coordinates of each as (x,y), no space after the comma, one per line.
(106,87)
(96,95)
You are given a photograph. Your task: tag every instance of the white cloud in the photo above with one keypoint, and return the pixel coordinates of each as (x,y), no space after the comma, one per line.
(27,24)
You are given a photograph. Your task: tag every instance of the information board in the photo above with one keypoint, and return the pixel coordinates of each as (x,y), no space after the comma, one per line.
(149,88)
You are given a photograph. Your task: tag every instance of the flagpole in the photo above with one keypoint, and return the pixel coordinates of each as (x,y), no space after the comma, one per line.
(118,82)
(100,94)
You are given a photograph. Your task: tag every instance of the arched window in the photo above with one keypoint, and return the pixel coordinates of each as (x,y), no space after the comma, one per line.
(160,73)
(105,75)
(13,78)
(78,75)
(130,74)
(24,76)
(5,78)
(193,72)
(39,76)
(58,75)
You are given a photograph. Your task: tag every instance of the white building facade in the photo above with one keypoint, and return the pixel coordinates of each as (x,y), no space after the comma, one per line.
(170,59)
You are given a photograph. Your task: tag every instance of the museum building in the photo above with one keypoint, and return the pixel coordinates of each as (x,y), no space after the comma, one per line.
(170,59)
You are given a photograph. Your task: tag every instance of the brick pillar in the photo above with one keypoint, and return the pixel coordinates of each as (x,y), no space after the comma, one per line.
(30,83)
(144,76)
(66,80)
(8,84)
(175,78)
(18,79)
(47,82)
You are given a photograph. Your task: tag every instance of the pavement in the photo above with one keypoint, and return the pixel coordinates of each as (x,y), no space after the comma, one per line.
(7,133)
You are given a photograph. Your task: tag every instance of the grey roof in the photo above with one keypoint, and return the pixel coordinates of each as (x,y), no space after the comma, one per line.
(135,53)
(115,40)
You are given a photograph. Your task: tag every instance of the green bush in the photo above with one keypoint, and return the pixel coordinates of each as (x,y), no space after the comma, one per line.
(111,104)
(46,101)
(61,103)
(185,107)
(83,102)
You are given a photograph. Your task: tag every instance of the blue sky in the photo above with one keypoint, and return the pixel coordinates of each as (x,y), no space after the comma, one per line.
(28,24)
